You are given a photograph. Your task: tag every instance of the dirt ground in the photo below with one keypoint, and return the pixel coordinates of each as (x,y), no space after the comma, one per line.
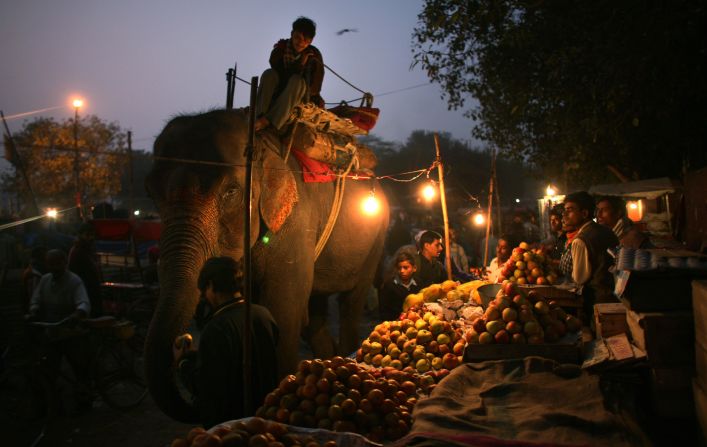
(104,426)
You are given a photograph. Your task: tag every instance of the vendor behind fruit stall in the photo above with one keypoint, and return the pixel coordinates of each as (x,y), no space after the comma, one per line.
(586,261)
(504,248)
(429,268)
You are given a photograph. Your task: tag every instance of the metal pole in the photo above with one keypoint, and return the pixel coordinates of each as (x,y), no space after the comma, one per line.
(488,212)
(76,163)
(443,200)
(19,165)
(130,173)
(247,275)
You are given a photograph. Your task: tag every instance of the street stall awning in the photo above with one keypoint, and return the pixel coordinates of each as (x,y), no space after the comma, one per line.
(640,189)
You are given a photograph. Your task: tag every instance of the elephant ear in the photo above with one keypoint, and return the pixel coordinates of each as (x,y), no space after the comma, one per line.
(278,191)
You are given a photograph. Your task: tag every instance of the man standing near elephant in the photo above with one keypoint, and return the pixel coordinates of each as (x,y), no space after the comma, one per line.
(296,69)
(214,372)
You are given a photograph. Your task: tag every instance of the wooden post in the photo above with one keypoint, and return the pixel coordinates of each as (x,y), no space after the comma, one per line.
(247,275)
(443,200)
(488,212)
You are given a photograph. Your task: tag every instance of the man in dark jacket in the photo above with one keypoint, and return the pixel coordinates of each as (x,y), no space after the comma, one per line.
(296,70)
(429,269)
(214,372)
(589,258)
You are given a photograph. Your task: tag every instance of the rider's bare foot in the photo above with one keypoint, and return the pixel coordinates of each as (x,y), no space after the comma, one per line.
(261,123)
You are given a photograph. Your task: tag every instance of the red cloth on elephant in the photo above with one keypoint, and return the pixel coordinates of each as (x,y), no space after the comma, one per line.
(314,171)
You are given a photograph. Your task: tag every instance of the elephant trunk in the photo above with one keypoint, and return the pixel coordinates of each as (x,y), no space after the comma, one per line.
(185,245)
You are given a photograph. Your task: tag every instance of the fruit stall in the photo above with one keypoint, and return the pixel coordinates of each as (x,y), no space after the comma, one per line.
(444,335)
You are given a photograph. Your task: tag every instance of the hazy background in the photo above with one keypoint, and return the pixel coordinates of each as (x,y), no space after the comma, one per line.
(140,62)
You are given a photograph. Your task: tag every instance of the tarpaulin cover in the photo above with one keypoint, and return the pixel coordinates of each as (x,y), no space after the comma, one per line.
(640,189)
(521,402)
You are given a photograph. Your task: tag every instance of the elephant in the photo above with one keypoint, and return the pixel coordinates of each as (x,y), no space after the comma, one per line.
(197,184)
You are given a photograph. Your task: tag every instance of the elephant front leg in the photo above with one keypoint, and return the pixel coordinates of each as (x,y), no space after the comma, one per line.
(317,333)
(350,316)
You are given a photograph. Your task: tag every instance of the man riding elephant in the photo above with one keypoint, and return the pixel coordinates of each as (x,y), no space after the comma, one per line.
(297,68)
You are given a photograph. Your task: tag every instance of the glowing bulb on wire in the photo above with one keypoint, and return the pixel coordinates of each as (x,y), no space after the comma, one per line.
(479,219)
(429,192)
(371,205)
(52,213)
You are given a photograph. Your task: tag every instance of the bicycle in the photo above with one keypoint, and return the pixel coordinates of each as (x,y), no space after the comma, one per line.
(29,386)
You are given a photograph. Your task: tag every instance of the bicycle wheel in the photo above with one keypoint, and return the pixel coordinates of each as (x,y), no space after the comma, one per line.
(26,401)
(118,375)
(140,312)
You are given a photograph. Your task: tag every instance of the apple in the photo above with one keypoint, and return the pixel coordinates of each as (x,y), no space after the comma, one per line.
(471,336)
(509,314)
(458,348)
(502,337)
(518,339)
(479,325)
(492,313)
(485,338)
(494,326)
(541,281)
(531,328)
(450,361)
(522,280)
(520,265)
(513,327)
(523,246)
(542,307)
(443,339)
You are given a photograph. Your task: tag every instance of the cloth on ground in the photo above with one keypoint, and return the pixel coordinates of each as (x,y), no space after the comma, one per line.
(521,402)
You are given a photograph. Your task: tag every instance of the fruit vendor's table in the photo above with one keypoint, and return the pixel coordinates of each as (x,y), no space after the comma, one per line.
(532,401)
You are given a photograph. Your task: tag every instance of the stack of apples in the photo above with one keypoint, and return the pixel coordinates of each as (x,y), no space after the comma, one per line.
(514,318)
(341,395)
(528,266)
(252,432)
(420,341)
(448,290)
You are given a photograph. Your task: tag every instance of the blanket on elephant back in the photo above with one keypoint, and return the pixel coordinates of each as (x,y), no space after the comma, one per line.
(314,171)
(521,402)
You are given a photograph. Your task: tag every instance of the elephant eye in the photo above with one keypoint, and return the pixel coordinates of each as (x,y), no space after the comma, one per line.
(232,193)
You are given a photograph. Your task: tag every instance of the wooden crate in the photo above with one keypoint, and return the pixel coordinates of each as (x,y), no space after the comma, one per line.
(666,337)
(567,350)
(671,393)
(610,319)
(699,308)
(700,395)
(657,291)
(701,364)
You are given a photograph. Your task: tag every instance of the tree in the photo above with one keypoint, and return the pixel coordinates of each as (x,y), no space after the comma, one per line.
(575,84)
(467,170)
(46,148)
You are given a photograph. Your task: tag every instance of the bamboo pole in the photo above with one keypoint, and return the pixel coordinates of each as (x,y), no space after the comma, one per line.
(490,201)
(443,199)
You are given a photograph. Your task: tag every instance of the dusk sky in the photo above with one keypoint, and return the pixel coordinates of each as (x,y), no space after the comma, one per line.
(139,62)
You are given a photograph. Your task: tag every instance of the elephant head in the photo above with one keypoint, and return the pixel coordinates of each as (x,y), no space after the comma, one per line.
(197,182)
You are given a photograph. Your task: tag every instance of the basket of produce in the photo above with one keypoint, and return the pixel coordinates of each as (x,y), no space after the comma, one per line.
(122,330)
(516,325)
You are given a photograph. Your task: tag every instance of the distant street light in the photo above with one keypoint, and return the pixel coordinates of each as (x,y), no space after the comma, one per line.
(77,103)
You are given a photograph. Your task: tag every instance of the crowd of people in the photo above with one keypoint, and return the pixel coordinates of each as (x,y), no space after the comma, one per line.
(582,231)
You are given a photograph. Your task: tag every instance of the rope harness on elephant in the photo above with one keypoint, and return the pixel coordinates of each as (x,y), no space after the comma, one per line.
(335,208)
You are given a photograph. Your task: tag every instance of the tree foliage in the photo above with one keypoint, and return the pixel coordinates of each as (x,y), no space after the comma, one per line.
(575,86)
(467,171)
(47,151)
